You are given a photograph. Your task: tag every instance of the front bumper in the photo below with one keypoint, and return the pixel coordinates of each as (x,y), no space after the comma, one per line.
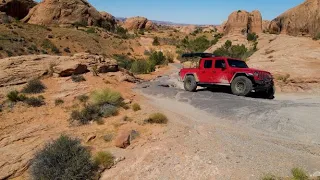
(263,85)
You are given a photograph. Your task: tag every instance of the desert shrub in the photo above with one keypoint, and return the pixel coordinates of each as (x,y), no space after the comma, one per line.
(64,158)
(156,41)
(47,44)
(136,107)
(200,44)
(14,96)
(142,67)
(269,177)
(35,101)
(252,37)
(123,61)
(83,98)
(157,118)
(67,50)
(108,137)
(122,32)
(106,96)
(91,30)
(107,26)
(81,24)
(34,86)
(77,78)
(283,78)
(104,159)
(58,102)
(93,112)
(299,174)
(316,36)
(235,51)
(9,53)
(157,58)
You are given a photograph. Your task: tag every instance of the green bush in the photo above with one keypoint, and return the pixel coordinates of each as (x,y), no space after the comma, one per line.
(235,51)
(123,61)
(200,44)
(81,24)
(93,113)
(156,41)
(269,177)
(58,102)
(35,101)
(317,36)
(104,159)
(252,37)
(157,118)
(77,78)
(299,174)
(106,96)
(47,44)
(34,86)
(91,30)
(14,96)
(142,67)
(136,107)
(157,58)
(64,158)
(122,32)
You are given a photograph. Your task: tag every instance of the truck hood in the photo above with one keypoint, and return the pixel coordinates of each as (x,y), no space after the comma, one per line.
(249,70)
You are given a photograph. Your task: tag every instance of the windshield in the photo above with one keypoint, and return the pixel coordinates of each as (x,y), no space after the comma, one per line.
(237,63)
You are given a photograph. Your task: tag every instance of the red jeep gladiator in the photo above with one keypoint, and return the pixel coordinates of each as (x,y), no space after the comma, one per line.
(226,72)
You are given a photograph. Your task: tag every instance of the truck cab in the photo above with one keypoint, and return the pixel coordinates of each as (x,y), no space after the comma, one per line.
(226,71)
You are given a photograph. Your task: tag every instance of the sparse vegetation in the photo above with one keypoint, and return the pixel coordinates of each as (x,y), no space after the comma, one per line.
(299,174)
(157,58)
(104,160)
(136,107)
(252,37)
(316,36)
(64,158)
(122,32)
(157,118)
(14,96)
(156,41)
(106,96)
(77,78)
(58,102)
(142,67)
(235,51)
(283,78)
(123,61)
(47,44)
(91,30)
(34,86)
(35,101)
(83,98)
(269,177)
(108,137)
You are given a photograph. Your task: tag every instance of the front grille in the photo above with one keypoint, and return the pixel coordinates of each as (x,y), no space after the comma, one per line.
(264,76)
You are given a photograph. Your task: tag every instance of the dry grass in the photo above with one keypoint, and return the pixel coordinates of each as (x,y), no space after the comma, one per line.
(104,160)
(157,118)
(136,107)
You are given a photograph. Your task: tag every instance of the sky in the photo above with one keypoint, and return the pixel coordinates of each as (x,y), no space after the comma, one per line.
(192,11)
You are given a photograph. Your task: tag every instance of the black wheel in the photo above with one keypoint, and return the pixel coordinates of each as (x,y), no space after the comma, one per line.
(241,86)
(190,84)
(269,94)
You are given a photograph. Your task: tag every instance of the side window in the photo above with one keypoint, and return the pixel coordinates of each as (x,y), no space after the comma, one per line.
(208,64)
(220,64)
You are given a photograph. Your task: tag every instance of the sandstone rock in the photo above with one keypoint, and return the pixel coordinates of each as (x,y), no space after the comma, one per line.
(16,8)
(66,12)
(265,25)
(4,18)
(90,138)
(18,70)
(139,23)
(300,20)
(188,29)
(241,22)
(123,139)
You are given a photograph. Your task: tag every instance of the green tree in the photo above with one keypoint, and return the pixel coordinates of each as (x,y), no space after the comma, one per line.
(156,41)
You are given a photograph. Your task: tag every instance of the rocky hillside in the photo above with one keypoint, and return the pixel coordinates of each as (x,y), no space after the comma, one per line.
(66,12)
(243,22)
(301,20)
(139,23)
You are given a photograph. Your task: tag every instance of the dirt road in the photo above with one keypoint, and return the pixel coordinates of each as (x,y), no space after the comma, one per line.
(214,135)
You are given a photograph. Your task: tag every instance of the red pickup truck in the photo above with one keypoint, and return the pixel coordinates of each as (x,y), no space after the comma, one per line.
(227,72)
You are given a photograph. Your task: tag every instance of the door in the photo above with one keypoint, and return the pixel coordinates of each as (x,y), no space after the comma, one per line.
(220,72)
(206,71)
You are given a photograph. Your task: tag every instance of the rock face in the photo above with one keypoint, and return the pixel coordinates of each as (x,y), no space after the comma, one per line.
(139,23)
(18,70)
(301,20)
(243,22)
(265,25)
(16,8)
(188,29)
(4,18)
(65,12)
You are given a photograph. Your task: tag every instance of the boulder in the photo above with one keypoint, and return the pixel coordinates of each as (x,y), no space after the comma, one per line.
(4,18)
(18,70)
(139,23)
(123,139)
(303,19)
(241,22)
(16,8)
(66,12)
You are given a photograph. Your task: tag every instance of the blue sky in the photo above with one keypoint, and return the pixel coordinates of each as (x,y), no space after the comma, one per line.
(192,11)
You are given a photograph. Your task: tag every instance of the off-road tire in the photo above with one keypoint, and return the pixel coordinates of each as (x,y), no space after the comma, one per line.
(269,94)
(190,84)
(241,86)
